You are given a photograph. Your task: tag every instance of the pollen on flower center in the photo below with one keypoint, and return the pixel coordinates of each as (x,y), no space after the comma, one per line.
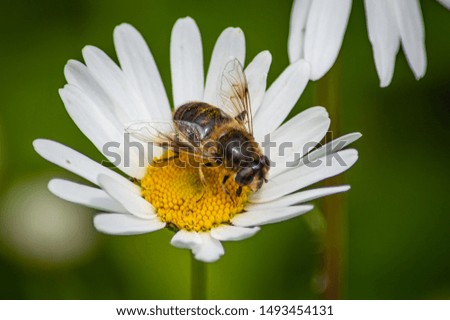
(174,188)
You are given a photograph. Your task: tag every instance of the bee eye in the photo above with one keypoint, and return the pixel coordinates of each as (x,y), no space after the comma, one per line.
(244,176)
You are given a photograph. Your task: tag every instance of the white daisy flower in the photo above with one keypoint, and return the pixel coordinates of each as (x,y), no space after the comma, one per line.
(445,3)
(102,98)
(317,29)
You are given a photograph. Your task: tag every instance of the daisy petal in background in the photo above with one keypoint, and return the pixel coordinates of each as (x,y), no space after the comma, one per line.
(445,3)
(316,33)
(391,23)
(103,98)
(317,29)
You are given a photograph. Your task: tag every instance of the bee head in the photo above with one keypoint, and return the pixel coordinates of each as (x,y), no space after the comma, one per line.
(255,174)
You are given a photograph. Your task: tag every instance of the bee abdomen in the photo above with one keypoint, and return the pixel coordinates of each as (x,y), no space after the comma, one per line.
(202,114)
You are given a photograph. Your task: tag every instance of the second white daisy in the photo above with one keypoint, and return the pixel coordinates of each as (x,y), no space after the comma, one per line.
(317,29)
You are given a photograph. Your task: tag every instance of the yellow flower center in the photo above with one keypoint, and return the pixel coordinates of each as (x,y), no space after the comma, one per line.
(174,188)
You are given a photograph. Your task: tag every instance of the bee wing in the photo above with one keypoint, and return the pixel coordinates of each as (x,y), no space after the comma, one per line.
(180,136)
(233,95)
(154,132)
(190,131)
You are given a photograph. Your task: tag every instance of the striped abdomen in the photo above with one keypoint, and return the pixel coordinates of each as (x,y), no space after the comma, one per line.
(203,114)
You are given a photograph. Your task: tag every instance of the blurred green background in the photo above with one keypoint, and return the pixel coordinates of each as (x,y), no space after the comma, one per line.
(398,207)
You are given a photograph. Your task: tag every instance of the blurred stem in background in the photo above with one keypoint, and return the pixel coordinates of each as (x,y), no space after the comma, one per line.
(328,94)
(198,279)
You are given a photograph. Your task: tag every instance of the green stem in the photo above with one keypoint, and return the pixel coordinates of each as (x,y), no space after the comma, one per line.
(333,207)
(198,279)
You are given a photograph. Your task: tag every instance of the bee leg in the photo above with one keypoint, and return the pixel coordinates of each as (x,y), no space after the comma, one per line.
(214,163)
(202,176)
(162,160)
(239,191)
(203,180)
(225,178)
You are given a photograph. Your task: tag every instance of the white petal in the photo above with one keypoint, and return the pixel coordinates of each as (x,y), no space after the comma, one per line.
(77,163)
(267,216)
(186,62)
(186,239)
(93,111)
(141,71)
(210,249)
(233,233)
(305,175)
(297,122)
(101,119)
(299,17)
(84,195)
(384,36)
(102,132)
(88,117)
(325,31)
(125,224)
(118,88)
(412,33)
(301,139)
(281,97)
(231,43)
(131,201)
(331,147)
(298,197)
(445,3)
(78,74)
(256,73)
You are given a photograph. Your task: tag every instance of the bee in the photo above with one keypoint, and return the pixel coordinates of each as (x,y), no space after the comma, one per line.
(220,135)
